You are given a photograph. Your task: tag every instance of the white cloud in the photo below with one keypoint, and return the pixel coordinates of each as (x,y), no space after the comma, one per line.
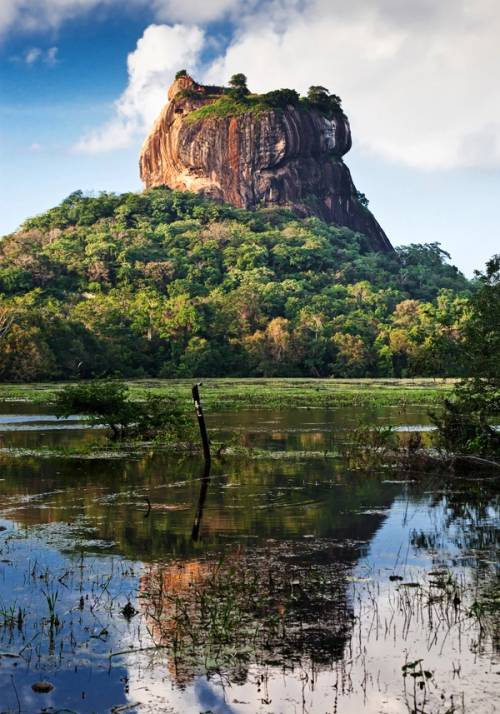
(51,56)
(36,15)
(151,67)
(32,55)
(418,80)
(29,15)
(195,11)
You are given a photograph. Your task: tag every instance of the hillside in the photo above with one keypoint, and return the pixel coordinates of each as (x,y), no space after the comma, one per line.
(167,283)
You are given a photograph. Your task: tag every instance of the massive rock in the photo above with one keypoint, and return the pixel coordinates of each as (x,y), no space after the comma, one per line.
(290,158)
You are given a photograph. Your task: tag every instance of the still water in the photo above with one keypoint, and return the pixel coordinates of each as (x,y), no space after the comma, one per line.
(306,585)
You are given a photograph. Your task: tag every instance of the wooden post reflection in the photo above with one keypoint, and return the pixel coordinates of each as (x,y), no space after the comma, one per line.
(205,480)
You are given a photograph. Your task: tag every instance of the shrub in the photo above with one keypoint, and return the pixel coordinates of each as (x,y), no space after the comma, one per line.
(109,404)
(281,98)
(465,424)
(319,98)
(362,200)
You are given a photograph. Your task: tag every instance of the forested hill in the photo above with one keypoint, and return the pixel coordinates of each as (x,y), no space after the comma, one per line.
(169,284)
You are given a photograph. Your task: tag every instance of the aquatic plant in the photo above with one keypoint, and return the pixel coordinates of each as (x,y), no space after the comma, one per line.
(244,608)
(51,598)
(273,393)
(369,447)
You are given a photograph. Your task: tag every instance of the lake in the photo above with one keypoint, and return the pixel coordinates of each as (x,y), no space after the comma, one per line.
(291,580)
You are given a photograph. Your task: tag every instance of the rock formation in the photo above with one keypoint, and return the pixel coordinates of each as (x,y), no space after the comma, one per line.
(290,157)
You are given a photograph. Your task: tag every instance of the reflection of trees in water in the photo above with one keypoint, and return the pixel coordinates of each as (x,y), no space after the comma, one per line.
(274,606)
(261,498)
(279,604)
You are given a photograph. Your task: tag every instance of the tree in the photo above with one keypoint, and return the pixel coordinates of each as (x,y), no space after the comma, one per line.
(25,355)
(317,93)
(424,270)
(353,358)
(467,423)
(170,283)
(281,98)
(238,84)
(6,320)
(321,99)
(482,336)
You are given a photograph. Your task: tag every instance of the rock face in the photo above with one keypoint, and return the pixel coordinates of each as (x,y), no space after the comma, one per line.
(290,158)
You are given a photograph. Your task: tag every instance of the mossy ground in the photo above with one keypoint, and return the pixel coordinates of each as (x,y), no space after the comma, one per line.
(226,106)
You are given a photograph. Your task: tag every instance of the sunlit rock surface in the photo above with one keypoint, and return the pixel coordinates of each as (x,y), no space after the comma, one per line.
(290,158)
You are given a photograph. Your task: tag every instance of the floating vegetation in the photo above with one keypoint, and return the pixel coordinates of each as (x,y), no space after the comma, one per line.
(274,393)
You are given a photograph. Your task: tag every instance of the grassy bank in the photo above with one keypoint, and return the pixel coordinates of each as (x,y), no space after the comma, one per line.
(233,394)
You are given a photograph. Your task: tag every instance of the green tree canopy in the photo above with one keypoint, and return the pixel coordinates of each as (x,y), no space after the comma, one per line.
(167,283)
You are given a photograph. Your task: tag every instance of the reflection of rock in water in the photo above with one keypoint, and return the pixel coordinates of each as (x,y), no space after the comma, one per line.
(270,606)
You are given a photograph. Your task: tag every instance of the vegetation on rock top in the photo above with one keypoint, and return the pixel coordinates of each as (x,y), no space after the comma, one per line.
(237,100)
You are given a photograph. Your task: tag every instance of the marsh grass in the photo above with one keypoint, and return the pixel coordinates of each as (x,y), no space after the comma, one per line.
(246,608)
(369,447)
(486,610)
(234,394)
(61,613)
(440,603)
(285,605)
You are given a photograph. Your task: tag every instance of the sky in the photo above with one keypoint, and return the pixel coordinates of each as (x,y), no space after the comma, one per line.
(81,82)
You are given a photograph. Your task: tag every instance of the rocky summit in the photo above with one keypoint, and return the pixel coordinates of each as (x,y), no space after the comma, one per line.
(251,151)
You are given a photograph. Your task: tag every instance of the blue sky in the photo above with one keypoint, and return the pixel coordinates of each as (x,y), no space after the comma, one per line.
(82,80)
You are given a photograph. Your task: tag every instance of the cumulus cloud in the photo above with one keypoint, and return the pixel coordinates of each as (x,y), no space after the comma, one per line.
(194,11)
(28,15)
(151,67)
(36,15)
(418,79)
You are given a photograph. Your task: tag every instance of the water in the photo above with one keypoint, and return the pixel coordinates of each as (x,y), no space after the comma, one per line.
(310,586)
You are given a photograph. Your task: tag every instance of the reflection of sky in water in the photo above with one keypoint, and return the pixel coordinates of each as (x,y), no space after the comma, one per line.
(389,548)
(370,678)
(372,527)
(209,698)
(80,674)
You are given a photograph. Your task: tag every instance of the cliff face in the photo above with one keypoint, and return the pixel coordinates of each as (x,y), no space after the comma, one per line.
(290,158)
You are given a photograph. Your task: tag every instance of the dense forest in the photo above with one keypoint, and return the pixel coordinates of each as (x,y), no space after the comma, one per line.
(168,284)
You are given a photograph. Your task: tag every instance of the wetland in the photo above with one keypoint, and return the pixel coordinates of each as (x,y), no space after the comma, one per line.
(293,579)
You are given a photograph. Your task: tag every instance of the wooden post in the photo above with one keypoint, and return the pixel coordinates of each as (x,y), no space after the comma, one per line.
(201,423)
(206,454)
